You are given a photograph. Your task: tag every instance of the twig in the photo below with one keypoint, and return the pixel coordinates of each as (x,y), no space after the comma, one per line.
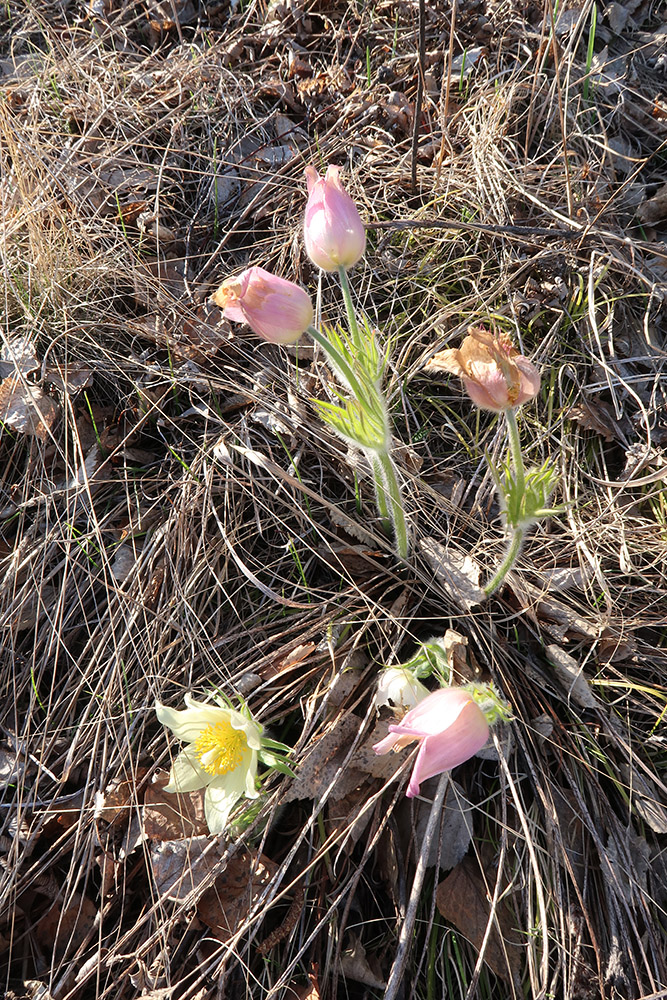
(405,937)
(420,91)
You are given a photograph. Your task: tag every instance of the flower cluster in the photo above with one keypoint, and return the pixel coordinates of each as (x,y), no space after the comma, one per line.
(223,745)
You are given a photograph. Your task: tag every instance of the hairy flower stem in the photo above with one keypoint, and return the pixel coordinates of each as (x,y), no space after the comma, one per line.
(519,478)
(510,558)
(386,482)
(515,449)
(519,475)
(349,308)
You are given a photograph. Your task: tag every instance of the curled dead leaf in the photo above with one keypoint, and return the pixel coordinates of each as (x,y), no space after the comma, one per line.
(26,409)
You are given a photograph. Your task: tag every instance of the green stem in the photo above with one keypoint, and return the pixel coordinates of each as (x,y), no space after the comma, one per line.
(339,361)
(510,558)
(515,449)
(390,484)
(349,308)
(380,492)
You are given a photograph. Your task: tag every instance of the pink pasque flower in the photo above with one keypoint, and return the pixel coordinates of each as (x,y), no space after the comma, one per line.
(450,726)
(334,234)
(495,375)
(276,309)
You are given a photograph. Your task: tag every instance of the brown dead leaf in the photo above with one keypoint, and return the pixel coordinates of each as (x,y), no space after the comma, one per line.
(131,210)
(171,815)
(280,665)
(159,282)
(571,676)
(655,209)
(310,992)
(556,618)
(358,965)
(456,825)
(225,906)
(463,899)
(18,355)
(456,650)
(26,409)
(64,930)
(71,377)
(321,767)
(599,418)
(181,866)
(457,572)
(348,816)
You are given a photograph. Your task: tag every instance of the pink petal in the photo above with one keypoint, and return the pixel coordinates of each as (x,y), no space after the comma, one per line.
(451,747)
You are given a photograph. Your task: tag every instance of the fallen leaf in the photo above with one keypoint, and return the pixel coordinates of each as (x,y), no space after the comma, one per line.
(560,579)
(355,965)
(457,572)
(309,992)
(26,409)
(123,562)
(558,619)
(71,377)
(385,766)
(655,209)
(64,930)
(275,666)
(599,418)
(173,815)
(159,283)
(456,824)
(463,899)
(12,768)
(181,866)
(18,357)
(645,798)
(572,677)
(226,905)
(457,653)
(322,765)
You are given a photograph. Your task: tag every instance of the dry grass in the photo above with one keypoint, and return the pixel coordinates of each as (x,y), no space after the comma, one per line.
(177,519)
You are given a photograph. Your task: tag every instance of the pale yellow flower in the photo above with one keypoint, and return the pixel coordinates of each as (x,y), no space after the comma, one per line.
(220,756)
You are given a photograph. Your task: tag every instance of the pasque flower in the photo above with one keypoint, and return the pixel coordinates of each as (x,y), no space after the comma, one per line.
(399,687)
(276,309)
(495,375)
(450,728)
(220,756)
(333,232)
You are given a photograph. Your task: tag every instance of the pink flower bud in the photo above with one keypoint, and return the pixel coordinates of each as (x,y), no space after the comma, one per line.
(495,375)
(276,309)
(450,726)
(334,234)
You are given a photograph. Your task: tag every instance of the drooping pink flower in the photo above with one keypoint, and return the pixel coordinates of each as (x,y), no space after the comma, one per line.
(276,309)
(333,232)
(495,375)
(450,726)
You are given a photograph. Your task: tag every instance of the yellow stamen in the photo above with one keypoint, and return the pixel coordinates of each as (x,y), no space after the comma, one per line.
(220,748)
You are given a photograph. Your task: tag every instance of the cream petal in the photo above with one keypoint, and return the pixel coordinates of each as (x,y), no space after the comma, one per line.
(221,796)
(186,774)
(187,725)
